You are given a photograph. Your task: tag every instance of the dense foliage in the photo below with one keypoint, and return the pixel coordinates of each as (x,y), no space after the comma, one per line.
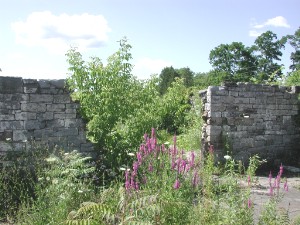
(118,107)
(163,183)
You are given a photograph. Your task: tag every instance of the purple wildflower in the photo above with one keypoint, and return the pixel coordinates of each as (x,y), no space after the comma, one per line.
(249,180)
(271,191)
(285,186)
(152,132)
(195,180)
(280,170)
(192,162)
(135,167)
(127,183)
(270,178)
(249,203)
(139,158)
(150,167)
(137,186)
(176,184)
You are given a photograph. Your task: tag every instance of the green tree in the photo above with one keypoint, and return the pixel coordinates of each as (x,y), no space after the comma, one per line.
(293,78)
(294,41)
(187,75)
(167,76)
(174,106)
(211,78)
(268,49)
(236,60)
(110,97)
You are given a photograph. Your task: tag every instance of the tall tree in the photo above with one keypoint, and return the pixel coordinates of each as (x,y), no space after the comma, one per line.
(294,41)
(236,60)
(187,75)
(167,76)
(268,47)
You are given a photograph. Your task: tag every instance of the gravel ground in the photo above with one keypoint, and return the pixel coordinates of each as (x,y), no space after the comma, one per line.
(290,200)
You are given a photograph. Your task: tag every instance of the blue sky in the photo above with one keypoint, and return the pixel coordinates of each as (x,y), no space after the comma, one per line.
(35,34)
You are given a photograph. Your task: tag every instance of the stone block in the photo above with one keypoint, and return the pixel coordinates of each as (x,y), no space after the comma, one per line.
(241,101)
(58,123)
(41,98)
(11,125)
(6,135)
(45,116)
(11,85)
(34,125)
(30,86)
(7,117)
(64,115)
(19,115)
(20,135)
(72,105)
(63,132)
(60,84)
(33,107)
(62,99)
(10,105)
(42,134)
(56,107)
(233,93)
(74,123)
(44,84)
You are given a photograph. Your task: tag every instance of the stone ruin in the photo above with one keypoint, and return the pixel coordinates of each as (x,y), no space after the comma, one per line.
(244,119)
(41,111)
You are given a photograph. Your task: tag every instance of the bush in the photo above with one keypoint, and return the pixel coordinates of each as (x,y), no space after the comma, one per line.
(62,185)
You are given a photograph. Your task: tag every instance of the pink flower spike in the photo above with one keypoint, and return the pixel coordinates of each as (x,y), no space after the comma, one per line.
(137,186)
(270,177)
(280,170)
(195,179)
(139,158)
(285,186)
(277,181)
(249,180)
(152,132)
(192,158)
(271,191)
(150,167)
(249,203)
(176,184)
(135,166)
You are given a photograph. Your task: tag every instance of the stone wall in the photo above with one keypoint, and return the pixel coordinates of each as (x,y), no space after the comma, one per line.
(39,110)
(248,119)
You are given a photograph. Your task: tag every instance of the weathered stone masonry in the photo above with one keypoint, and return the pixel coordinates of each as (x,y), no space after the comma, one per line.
(40,110)
(252,119)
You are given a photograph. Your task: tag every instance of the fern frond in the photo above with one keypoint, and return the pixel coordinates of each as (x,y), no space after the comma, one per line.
(144,201)
(137,222)
(82,222)
(98,212)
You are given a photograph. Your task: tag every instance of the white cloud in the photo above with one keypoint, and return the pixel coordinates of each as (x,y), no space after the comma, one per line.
(145,67)
(278,21)
(58,32)
(254,33)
